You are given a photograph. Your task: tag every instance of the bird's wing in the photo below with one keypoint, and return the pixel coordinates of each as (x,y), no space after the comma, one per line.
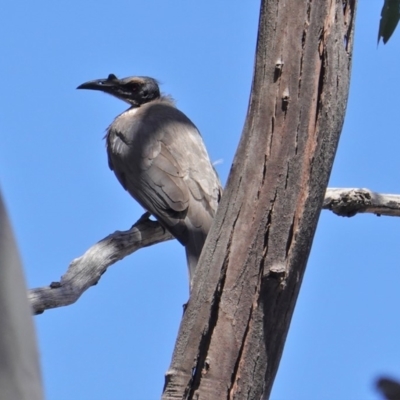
(159,157)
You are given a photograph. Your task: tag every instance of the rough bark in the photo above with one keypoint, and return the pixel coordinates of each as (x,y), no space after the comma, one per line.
(246,284)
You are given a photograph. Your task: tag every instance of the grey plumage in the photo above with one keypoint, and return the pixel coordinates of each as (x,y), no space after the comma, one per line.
(159,157)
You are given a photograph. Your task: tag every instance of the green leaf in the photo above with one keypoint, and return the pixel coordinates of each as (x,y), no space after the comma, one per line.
(390,16)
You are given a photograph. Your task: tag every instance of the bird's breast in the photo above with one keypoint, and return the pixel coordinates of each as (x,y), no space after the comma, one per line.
(133,140)
(122,133)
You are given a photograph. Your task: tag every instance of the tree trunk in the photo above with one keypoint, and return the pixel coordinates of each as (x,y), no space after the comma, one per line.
(233,331)
(20,376)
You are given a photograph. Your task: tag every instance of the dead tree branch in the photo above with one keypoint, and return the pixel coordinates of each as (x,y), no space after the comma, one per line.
(86,270)
(349,202)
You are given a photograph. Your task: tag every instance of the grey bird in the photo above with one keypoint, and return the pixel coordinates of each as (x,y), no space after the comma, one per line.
(159,157)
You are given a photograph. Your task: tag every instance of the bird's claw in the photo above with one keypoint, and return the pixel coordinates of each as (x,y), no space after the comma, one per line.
(145,217)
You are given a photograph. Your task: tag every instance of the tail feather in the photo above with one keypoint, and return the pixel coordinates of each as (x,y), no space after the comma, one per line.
(193,248)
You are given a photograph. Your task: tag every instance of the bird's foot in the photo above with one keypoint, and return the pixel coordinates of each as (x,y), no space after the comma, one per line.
(146,216)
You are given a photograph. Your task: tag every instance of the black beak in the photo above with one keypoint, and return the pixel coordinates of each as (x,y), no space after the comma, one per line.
(105,85)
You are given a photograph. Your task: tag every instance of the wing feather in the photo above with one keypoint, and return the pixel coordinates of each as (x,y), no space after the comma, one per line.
(159,157)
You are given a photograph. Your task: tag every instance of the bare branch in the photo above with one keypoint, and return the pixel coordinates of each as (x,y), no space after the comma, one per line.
(86,270)
(349,202)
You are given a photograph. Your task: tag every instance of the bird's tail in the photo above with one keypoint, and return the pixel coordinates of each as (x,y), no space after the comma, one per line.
(193,248)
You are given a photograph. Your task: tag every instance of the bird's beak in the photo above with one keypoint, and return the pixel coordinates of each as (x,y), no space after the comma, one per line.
(105,85)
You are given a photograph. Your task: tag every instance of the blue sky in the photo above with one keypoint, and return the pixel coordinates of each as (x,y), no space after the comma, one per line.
(116,341)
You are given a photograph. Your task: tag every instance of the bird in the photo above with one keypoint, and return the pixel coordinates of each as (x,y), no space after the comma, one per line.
(160,159)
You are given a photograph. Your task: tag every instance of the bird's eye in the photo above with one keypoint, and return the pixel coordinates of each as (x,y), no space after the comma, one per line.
(134,87)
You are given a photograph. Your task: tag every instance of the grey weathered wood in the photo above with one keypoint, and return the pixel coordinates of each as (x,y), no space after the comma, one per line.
(246,284)
(349,202)
(86,270)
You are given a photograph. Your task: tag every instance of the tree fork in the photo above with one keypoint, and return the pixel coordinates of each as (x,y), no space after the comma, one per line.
(246,285)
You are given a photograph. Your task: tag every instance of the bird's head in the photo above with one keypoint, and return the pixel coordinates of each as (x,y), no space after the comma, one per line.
(135,90)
